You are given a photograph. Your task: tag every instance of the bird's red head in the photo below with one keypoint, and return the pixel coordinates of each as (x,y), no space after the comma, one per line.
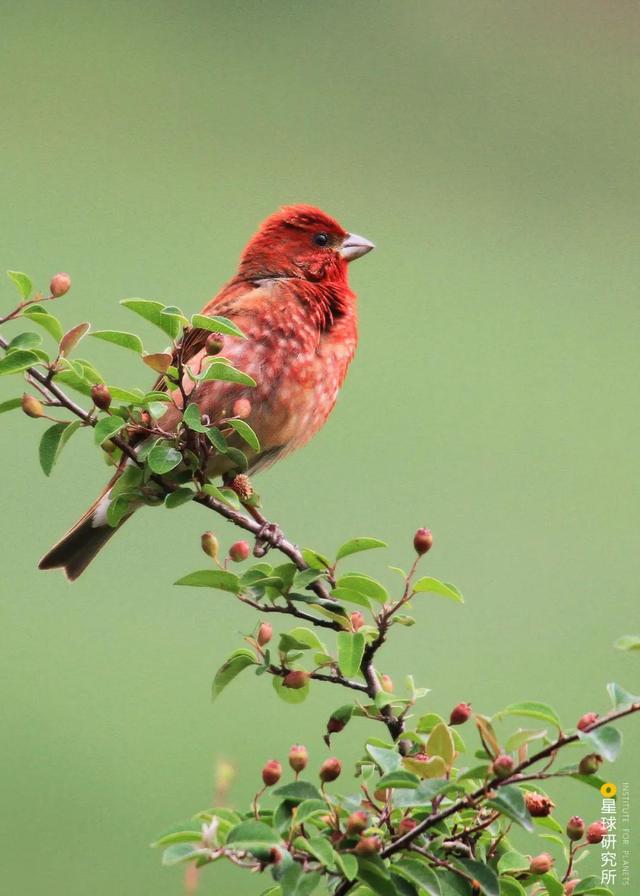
(301,241)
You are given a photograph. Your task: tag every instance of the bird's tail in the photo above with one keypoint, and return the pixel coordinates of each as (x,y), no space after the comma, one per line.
(75,551)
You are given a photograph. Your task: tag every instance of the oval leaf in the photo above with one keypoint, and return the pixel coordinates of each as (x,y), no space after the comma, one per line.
(17,361)
(72,337)
(212,578)
(228,374)
(152,311)
(350,652)
(106,428)
(355,545)
(238,661)
(435,586)
(216,324)
(124,340)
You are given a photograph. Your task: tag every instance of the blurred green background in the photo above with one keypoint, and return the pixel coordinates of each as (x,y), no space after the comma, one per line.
(490,149)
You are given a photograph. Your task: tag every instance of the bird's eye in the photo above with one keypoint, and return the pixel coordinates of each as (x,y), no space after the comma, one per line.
(321,239)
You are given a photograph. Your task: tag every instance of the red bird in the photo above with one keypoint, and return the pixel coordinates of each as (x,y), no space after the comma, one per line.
(292,300)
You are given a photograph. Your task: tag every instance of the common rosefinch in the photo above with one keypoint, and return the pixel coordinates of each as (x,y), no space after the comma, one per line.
(292,300)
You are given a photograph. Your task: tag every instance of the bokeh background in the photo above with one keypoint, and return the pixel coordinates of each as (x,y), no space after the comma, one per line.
(490,149)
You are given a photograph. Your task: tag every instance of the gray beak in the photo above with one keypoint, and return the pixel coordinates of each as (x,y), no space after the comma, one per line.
(354,246)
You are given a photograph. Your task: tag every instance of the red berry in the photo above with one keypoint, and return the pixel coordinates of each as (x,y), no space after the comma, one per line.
(101,396)
(295,679)
(357,822)
(239,551)
(271,773)
(298,757)
(539,806)
(587,720)
(335,726)
(265,633)
(241,408)
(503,765)
(367,846)
(60,284)
(596,832)
(575,828)
(541,864)
(406,825)
(330,770)
(423,541)
(460,714)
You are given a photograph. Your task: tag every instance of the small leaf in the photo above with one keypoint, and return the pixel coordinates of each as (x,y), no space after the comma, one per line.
(238,661)
(193,419)
(387,760)
(163,458)
(350,652)
(440,743)
(10,405)
(398,779)
(25,340)
(216,324)
(628,642)
(347,863)
(532,710)
(483,874)
(124,340)
(364,585)
(620,698)
(419,873)
(227,373)
(513,861)
(435,767)
(510,801)
(308,638)
(178,497)
(435,586)
(375,875)
(245,432)
(17,361)
(158,361)
(152,311)
(308,809)
(178,853)
(22,281)
(72,337)
(212,578)
(290,695)
(107,427)
(53,441)
(36,314)
(606,741)
(298,791)
(355,545)
(521,737)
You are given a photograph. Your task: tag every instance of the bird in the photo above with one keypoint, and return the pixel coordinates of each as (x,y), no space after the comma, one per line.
(291,299)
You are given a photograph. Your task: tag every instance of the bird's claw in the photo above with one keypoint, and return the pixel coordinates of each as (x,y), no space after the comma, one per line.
(269,536)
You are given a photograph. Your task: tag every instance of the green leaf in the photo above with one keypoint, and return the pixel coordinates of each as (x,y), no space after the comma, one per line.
(307,638)
(511,887)
(435,586)
(124,340)
(553,885)
(10,405)
(178,497)
(387,760)
(348,595)
(17,361)
(189,831)
(227,373)
(107,427)
(620,698)
(363,585)
(348,864)
(217,324)
(309,808)
(321,849)
(53,441)
(193,419)
(587,885)
(238,661)
(532,710)
(245,432)
(152,311)
(288,643)
(398,779)
(25,340)
(298,791)
(513,861)
(628,642)
(36,314)
(290,695)
(163,458)
(212,578)
(350,652)
(375,875)
(355,545)
(606,741)
(440,743)
(510,801)
(424,794)
(521,737)
(484,874)
(419,873)
(178,853)
(22,281)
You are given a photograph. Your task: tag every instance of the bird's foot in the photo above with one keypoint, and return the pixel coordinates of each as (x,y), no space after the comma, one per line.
(269,536)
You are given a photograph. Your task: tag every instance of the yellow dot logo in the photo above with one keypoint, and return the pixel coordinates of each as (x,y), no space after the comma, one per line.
(609,790)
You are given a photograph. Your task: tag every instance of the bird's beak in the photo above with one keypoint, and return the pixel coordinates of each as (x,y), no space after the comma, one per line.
(354,246)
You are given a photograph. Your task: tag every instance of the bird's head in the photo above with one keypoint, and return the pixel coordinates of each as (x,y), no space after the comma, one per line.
(301,241)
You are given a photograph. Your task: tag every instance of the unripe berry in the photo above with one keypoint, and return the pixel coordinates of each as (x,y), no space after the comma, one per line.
(295,679)
(422,541)
(406,825)
(367,846)
(330,770)
(241,408)
(275,855)
(503,765)
(298,758)
(214,343)
(386,684)
(460,714)
(357,620)
(60,284)
(575,828)
(101,396)
(357,822)
(265,633)
(242,486)
(541,864)
(570,886)
(31,406)
(586,720)
(239,551)
(271,773)
(539,806)
(590,764)
(210,544)
(596,832)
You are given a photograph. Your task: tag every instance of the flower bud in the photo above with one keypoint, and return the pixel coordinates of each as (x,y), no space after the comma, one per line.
(586,720)
(386,684)
(214,343)
(31,406)
(596,832)
(460,714)
(541,864)
(210,544)
(60,284)
(590,764)
(242,486)
(357,620)
(265,633)
(367,846)
(295,679)
(575,828)
(298,758)
(357,822)
(539,806)
(570,886)
(422,541)
(503,765)
(241,408)
(406,825)
(330,770)
(101,396)
(239,551)
(271,773)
